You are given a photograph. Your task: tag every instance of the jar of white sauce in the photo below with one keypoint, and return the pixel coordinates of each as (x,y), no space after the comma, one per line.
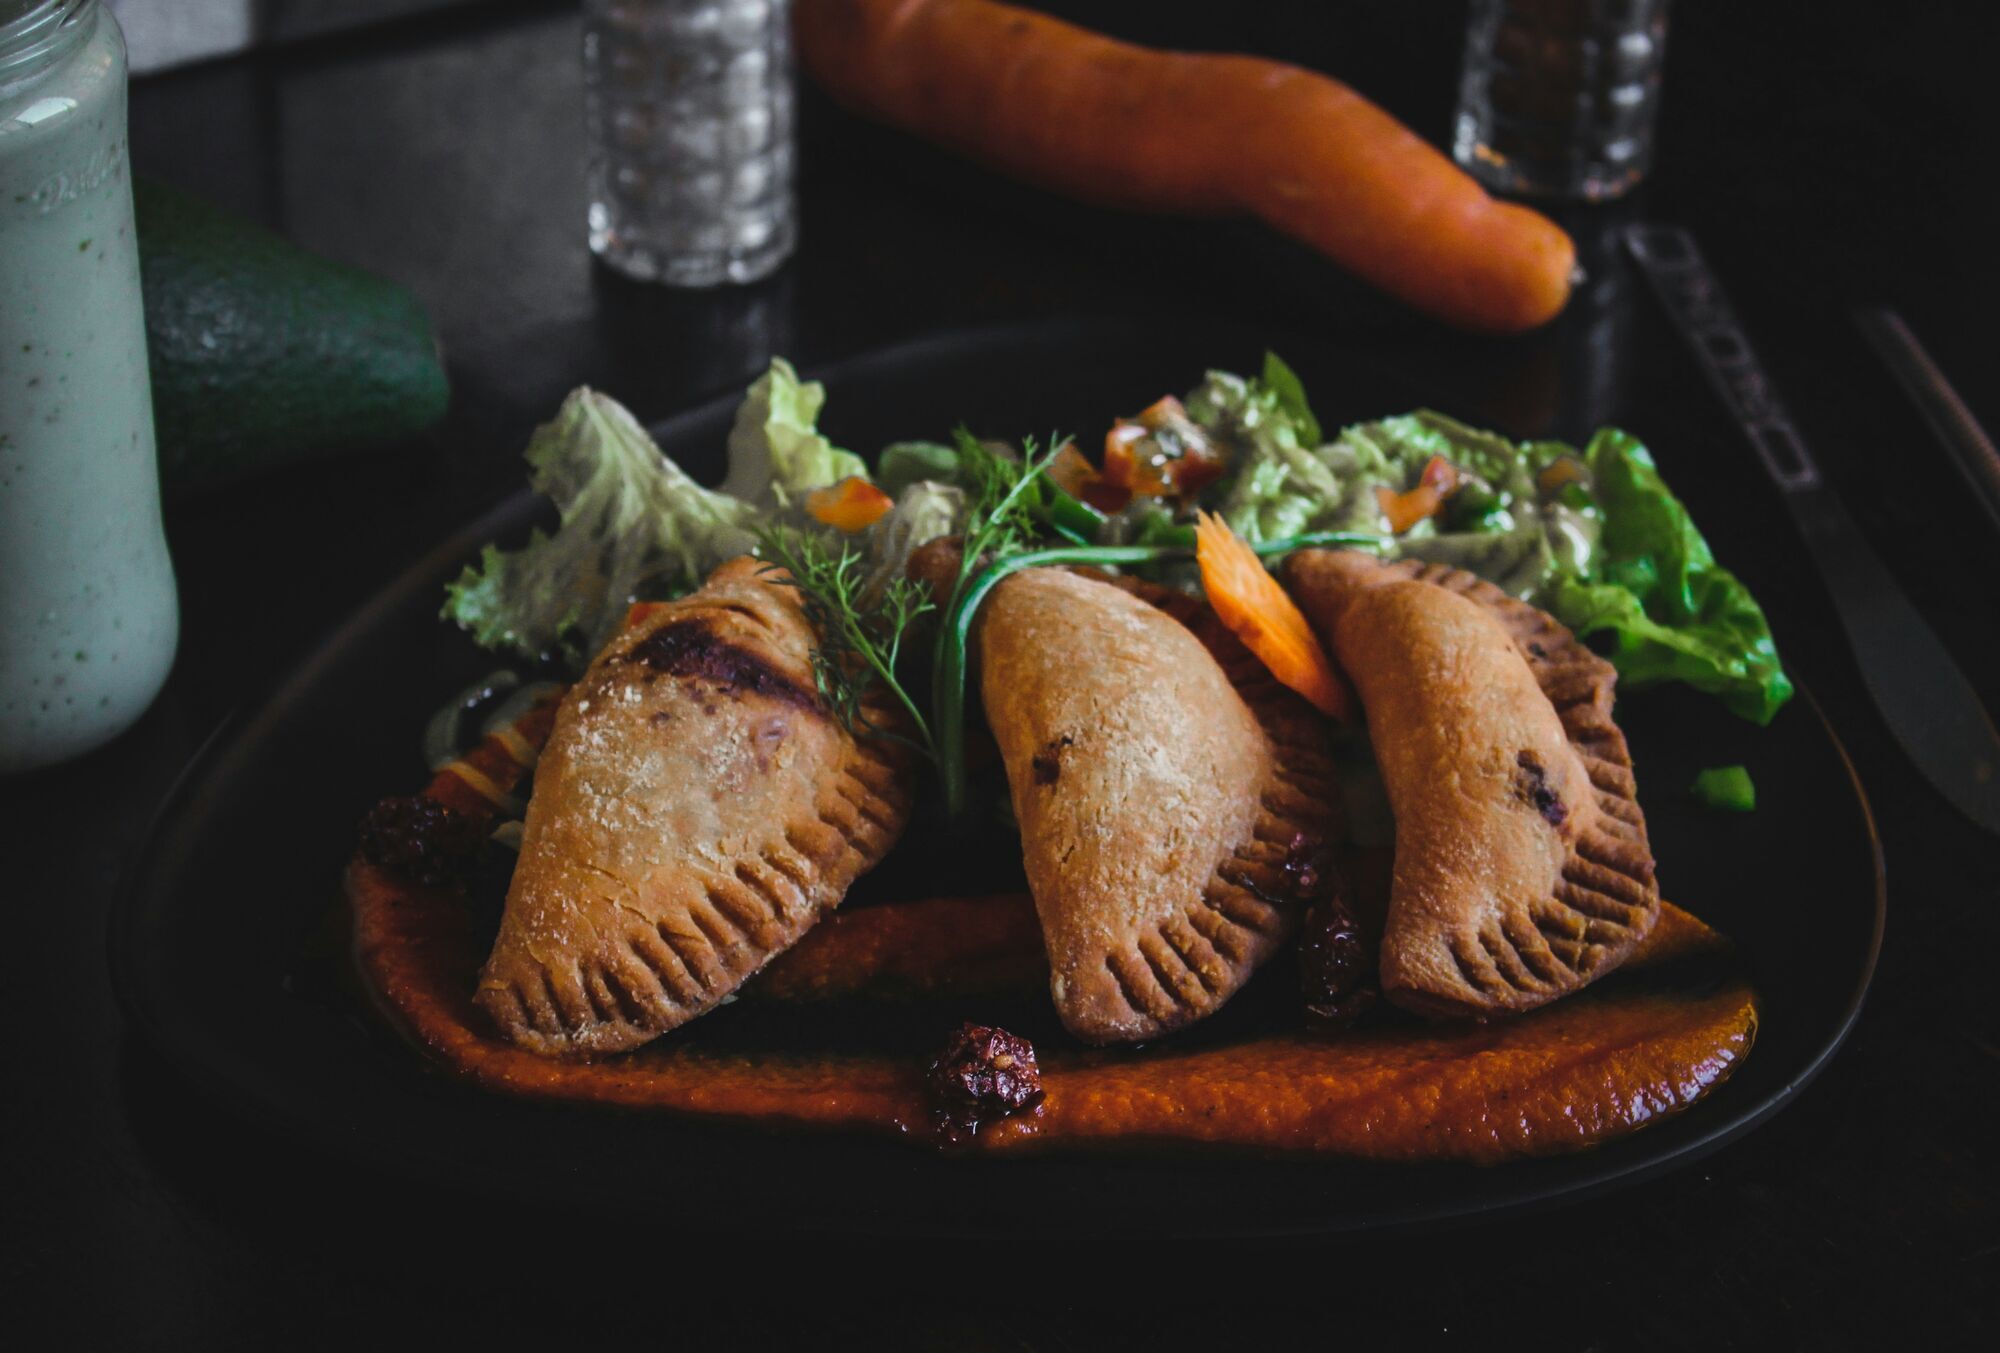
(88,614)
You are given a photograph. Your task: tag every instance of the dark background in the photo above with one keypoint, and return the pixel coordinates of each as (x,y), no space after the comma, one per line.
(1826,156)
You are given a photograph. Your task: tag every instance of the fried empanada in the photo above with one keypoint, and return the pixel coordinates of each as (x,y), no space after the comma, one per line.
(1172,820)
(695,810)
(1522,870)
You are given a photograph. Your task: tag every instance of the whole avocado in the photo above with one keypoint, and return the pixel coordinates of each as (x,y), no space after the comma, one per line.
(264,354)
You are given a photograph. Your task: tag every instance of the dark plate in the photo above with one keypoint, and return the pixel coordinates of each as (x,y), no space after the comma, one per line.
(214,956)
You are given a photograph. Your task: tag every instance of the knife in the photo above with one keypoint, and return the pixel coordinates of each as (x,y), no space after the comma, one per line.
(1930,707)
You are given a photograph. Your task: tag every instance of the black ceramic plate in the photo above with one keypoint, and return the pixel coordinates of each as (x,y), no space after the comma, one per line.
(214,956)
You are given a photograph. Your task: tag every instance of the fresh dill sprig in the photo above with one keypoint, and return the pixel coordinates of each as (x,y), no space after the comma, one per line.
(1005,496)
(861,631)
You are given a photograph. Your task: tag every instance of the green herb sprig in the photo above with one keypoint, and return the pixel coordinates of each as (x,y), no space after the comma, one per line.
(860,634)
(1009,528)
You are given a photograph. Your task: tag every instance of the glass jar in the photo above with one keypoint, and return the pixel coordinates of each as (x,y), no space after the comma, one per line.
(689,110)
(88,613)
(1558,98)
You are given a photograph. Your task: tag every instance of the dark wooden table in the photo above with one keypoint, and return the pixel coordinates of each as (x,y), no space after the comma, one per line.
(1825,158)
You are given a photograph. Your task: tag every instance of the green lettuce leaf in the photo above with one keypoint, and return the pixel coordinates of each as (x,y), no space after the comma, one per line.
(1290,394)
(776,454)
(1612,554)
(924,511)
(902,464)
(633,524)
(1674,613)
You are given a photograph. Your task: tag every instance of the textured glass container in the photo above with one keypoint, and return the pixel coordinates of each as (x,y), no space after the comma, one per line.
(689,104)
(89,617)
(1558,98)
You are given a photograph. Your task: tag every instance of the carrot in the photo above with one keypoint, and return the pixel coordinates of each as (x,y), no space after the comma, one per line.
(852,505)
(1248,600)
(1198,133)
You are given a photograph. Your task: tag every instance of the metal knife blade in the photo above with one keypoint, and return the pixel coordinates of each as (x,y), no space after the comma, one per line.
(1930,707)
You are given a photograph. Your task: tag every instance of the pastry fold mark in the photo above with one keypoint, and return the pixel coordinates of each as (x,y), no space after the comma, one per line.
(1522,869)
(696,809)
(1173,823)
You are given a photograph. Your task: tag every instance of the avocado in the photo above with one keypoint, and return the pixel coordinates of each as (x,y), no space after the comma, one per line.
(264,354)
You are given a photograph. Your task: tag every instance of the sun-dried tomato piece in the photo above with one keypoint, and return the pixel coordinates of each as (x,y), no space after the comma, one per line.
(420,839)
(983,1073)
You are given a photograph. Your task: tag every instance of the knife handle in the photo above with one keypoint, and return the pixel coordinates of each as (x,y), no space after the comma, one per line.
(1680,276)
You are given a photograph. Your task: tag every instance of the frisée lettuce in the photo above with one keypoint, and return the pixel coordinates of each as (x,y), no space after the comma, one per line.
(634,525)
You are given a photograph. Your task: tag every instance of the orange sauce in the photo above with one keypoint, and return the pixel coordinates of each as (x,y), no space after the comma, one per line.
(1596,1066)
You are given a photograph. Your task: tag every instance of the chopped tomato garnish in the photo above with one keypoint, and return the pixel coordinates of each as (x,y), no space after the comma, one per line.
(1258,611)
(1441,475)
(1558,472)
(1404,510)
(1073,473)
(1161,453)
(852,505)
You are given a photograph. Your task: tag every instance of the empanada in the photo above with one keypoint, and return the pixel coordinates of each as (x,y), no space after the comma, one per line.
(695,810)
(1522,869)
(1172,821)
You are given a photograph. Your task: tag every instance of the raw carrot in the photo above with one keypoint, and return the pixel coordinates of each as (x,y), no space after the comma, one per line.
(1201,133)
(1257,610)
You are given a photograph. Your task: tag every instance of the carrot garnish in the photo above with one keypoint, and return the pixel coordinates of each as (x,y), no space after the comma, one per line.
(1256,609)
(852,505)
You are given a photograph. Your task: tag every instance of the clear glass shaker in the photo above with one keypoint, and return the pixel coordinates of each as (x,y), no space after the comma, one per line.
(89,617)
(689,106)
(1558,98)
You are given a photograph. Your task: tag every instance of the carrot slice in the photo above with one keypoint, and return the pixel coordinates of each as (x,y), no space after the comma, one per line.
(852,505)
(1256,609)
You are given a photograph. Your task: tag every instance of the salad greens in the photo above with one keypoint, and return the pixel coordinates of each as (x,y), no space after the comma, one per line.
(1727,789)
(1673,612)
(776,454)
(1594,536)
(632,520)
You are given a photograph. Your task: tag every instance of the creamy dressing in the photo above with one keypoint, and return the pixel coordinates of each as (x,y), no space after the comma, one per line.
(88,614)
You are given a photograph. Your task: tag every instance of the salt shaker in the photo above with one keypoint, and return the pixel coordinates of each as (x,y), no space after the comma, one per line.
(689,108)
(88,613)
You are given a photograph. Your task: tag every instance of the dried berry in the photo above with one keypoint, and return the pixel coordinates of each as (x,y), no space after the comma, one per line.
(983,1073)
(1336,974)
(1305,865)
(420,839)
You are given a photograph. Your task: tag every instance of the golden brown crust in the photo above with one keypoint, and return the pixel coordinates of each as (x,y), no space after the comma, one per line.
(1522,867)
(1169,829)
(695,810)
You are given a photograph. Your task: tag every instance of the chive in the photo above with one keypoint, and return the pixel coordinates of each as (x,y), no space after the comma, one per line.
(1726,789)
(1074,519)
(955,635)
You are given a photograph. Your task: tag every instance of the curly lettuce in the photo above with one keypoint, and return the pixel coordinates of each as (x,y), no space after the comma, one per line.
(632,524)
